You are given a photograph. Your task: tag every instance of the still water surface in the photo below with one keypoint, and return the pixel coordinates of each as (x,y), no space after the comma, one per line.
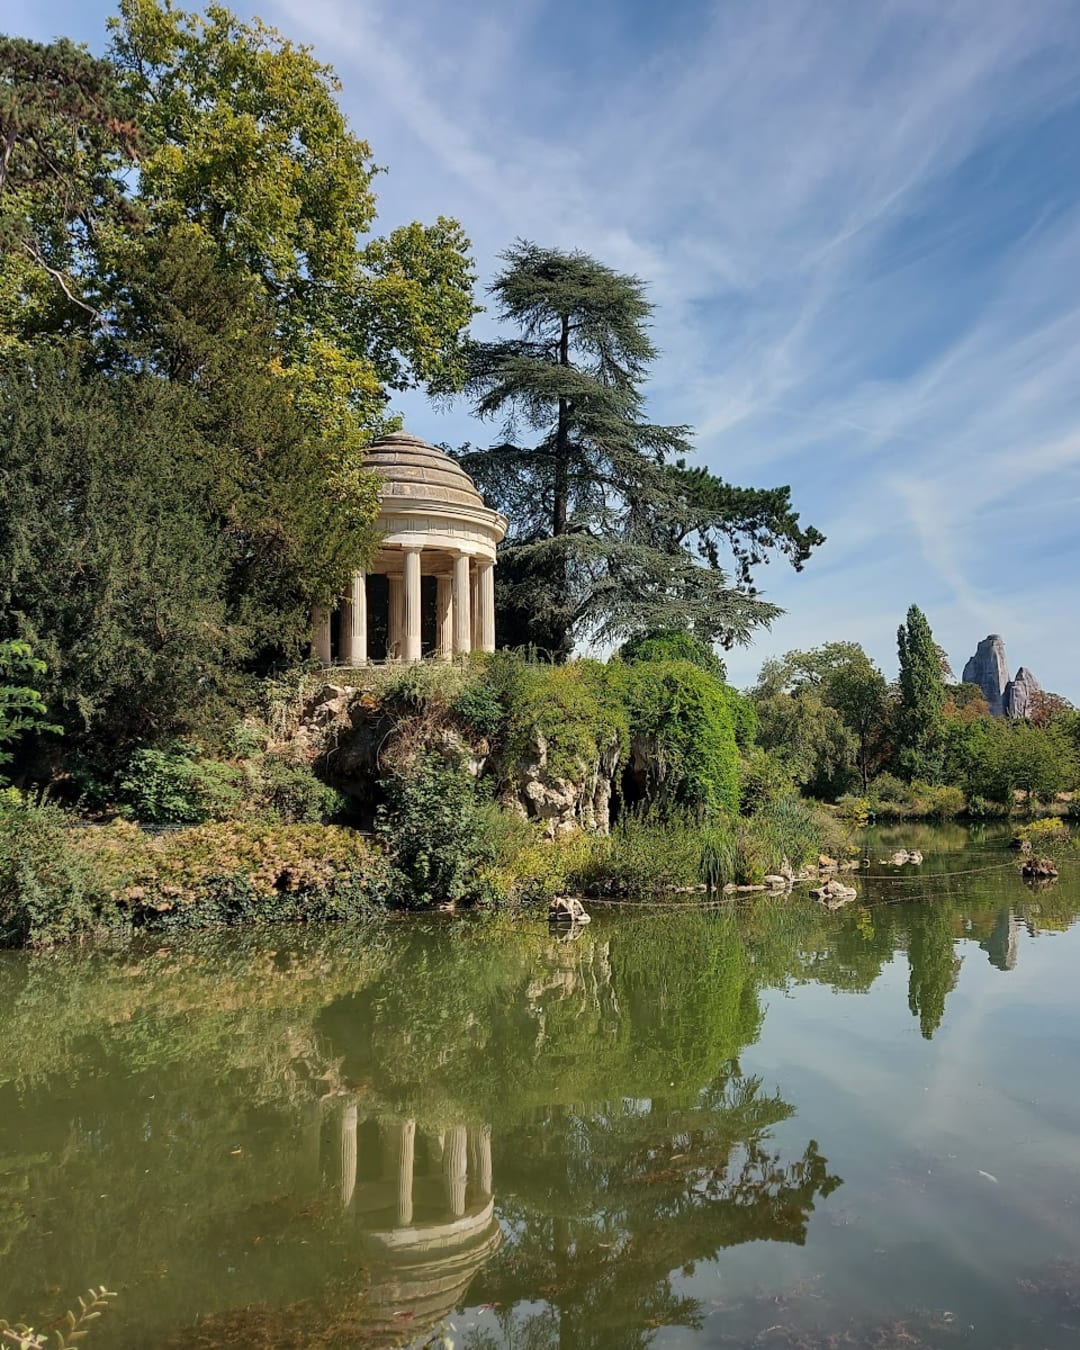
(772,1126)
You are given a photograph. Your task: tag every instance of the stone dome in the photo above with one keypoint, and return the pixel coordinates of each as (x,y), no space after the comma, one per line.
(413,471)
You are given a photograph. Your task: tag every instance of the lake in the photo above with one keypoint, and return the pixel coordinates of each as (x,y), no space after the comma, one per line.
(767,1125)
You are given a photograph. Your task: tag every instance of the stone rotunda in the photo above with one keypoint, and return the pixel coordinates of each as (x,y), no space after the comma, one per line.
(430,589)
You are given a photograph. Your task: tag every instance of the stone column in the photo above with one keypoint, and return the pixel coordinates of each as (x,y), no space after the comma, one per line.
(354,623)
(320,634)
(395,626)
(483,1158)
(444,618)
(406,1154)
(411,648)
(455,1169)
(486,602)
(462,619)
(474,603)
(348,1154)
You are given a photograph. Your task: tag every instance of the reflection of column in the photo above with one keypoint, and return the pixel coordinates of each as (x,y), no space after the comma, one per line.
(348,1154)
(320,634)
(354,623)
(485,600)
(411,650)
(483,1156)
(444,605)
(395,618)
(462,621)
(455,1169)
(406,1153)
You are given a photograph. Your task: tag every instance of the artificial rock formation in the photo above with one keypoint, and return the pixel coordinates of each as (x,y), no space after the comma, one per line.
(1020,693)
(989,669)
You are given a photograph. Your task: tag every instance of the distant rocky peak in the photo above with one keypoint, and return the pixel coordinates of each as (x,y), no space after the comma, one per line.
(989,669)
(1020,693)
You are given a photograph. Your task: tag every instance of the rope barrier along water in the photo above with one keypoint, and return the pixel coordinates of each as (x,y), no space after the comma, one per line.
(744,898)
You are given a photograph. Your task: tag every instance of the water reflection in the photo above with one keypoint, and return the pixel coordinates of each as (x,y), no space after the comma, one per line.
(344,1139)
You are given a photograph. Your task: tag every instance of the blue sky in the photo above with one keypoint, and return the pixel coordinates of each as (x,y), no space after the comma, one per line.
(860,224)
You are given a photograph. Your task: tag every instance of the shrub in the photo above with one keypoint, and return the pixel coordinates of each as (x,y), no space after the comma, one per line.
(47,891)
(236,872)
(478,706)
(677,644)
(175,787)
(684,718)
(641,856)
(287,790)
(763,779)
(433,825)
(1050,832)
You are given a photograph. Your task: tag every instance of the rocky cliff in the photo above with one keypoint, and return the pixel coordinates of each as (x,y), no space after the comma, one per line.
(989,669)
(1020,693)
(357,740)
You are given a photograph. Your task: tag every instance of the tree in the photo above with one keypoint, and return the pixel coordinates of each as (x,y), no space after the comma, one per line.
(65,135)
(922,698)
(610,534)
(250,148)
(22,707)
(837,677)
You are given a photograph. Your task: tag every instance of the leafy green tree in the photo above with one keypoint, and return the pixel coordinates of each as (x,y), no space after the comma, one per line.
(249,147)
(22,707)
(922,699)
(65,135)
(674,645)
(838,679)
(157,540)
(611,535)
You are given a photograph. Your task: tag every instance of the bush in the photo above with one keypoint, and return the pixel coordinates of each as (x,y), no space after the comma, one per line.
(48,892)
(675,645)
(641,856)
(433,825)
(763,779)
(175,787)
(684,718)
(286,790)
(1050,832)
(236,872)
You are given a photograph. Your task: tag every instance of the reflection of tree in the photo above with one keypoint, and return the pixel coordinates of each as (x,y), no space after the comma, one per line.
(932,961)
(608,1203)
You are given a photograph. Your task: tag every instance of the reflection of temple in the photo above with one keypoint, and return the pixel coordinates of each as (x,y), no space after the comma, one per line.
(422,1198)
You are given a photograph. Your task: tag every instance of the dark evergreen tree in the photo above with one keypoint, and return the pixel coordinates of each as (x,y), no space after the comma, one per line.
(610,534)
(922,699)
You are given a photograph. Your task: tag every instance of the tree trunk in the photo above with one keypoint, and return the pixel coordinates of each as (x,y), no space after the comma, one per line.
(561,504)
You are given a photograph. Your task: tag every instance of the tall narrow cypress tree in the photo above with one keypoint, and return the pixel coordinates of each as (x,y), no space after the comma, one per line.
(922,698)
(610,534)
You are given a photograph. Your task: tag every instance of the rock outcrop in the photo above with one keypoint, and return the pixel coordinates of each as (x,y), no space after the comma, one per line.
(1020,693)
(989,669)
(356,742)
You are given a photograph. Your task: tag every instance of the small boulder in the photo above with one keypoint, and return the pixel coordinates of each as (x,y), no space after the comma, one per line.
(834,894)
(567,909)
(1038,869)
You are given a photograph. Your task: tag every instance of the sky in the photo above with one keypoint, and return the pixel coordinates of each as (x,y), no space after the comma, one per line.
(859,223)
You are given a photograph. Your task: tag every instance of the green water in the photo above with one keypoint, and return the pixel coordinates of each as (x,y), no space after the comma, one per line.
(770,1126)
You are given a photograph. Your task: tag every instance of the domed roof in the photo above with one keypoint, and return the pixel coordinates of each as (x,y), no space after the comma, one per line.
(412,470)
